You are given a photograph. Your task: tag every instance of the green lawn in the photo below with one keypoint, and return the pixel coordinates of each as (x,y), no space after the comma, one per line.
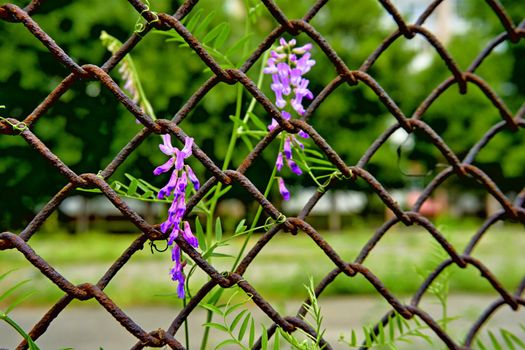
(280,270)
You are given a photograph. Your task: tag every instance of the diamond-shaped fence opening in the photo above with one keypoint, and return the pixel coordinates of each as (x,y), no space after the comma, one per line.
(389,119)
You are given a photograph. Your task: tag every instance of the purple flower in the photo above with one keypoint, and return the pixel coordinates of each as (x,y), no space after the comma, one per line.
(278,88)
(164,167)
(301,92)
(188,235)
(176,271)
(302,49)
(279,161)
(294,167)
(287,65)
(177,186)
(305,63)
(282,189)
(287,148)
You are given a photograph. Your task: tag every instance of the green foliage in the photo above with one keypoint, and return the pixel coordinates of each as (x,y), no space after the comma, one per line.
(237,323)
(396,330)
(4,315)
(87,127)
(313,318)
(129,74)
(136,189)
(507,340)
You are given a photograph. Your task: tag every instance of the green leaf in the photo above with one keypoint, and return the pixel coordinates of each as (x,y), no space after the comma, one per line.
(237,319)
(7,273)
(318,161)
(381,329)
(203,25)
(12,289)
(221,255)
(405,340)
(173,36)
(515,339)
(218,326)
(194,20)
(424,336)
(247,142)
(244,326)
(258,122)
(508,339)
(147,185)
(368,338)
(494,340)
(212,308)
(148,195)
(353,338)
(238,45)
(227,342)
(276,341)
(212,34)
(132,189)
(391,328)
(480,344)
(508,342)
(264,338)
(405,322)
(224,191)
(117,185)
(232,309)
(313,152)
(240,227)
(223,35)
(239,122)
(199,232)
(178,39)
(215,296)
(399,324)
(18,301)
(31,344)
(218,230)
(252,332)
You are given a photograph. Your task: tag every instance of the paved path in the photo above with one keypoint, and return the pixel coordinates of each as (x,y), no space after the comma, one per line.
(81,327)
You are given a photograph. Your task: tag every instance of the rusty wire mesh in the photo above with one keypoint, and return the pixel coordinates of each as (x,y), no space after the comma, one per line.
(149,231)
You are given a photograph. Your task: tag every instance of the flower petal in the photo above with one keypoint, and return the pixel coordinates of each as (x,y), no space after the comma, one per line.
(188,143)
(282,189)
(188,235)
(279,161)
(166,147)
(191,175)
(287,148)
(304,135)
(294,167)
(164,167)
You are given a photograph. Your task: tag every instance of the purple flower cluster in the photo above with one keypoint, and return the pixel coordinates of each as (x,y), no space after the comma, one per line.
(177,186)
(287,65)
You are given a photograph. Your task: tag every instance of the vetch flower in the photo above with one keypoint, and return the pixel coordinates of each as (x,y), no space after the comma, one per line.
(287,65)
(177,186)
(282,189)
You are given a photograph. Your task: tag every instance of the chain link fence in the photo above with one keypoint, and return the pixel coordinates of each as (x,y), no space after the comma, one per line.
(510,211)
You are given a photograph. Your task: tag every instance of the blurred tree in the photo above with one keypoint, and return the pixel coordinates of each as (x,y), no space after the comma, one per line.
(87,127)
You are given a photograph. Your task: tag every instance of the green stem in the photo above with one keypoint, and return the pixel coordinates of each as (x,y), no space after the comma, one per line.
(227,159)
(15,326)
(257,214)
(186,327)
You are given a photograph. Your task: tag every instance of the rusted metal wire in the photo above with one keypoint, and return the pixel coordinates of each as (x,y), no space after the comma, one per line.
(351,173)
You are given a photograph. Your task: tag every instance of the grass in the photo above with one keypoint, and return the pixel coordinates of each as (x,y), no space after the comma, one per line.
(279,271)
